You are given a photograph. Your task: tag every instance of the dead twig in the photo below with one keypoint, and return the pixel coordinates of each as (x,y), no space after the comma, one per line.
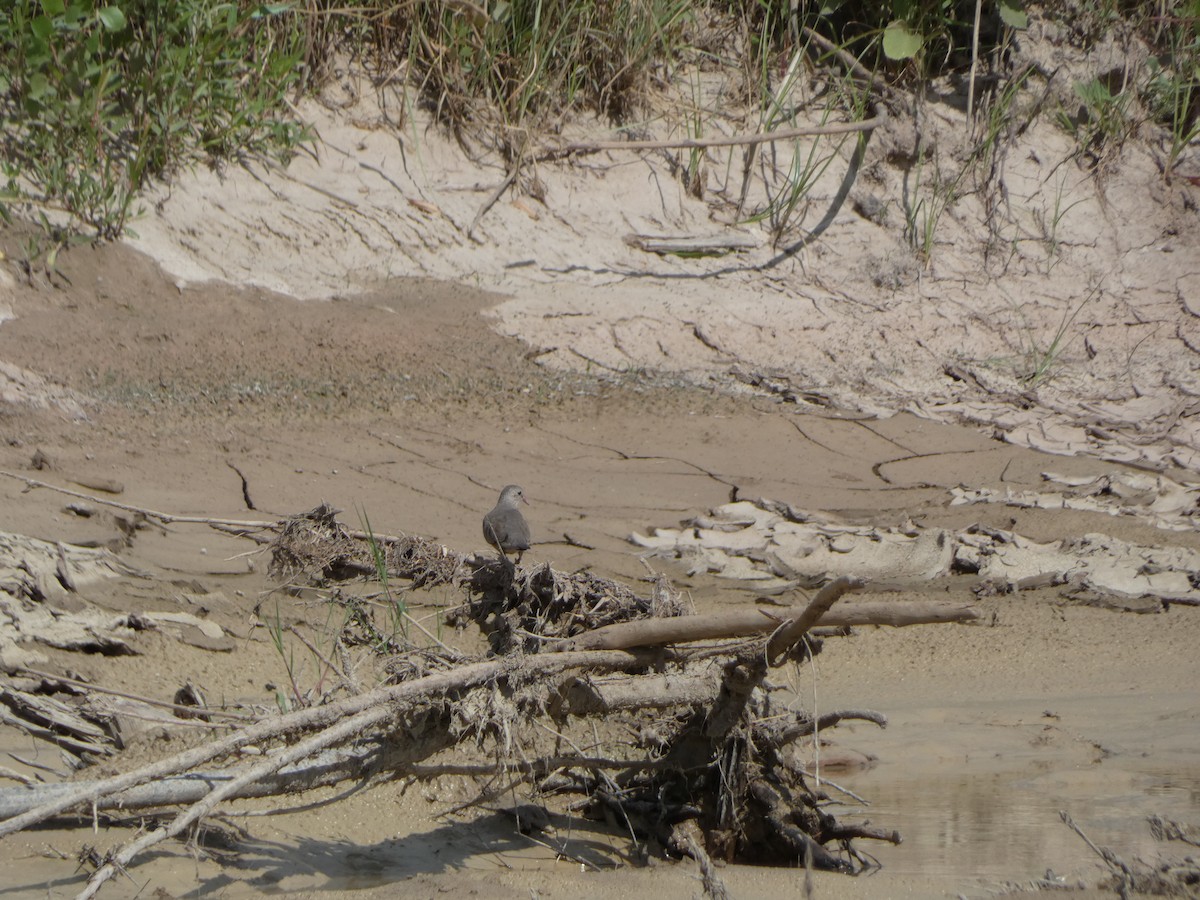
(1116,865)
(492,198)
(737,140)
(379,704)
(88,686)
(166,518)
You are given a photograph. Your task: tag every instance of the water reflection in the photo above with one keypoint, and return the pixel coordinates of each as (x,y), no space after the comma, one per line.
(1005,825)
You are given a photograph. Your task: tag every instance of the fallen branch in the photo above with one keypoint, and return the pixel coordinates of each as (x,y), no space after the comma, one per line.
(789,733)
(148,513)
(736,140)
(749,622)
(378,706)
(325,769)
(693,245)
(788,635)
(117,860)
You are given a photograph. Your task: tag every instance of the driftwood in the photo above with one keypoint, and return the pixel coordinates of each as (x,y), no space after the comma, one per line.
(746,622)
(693,245)
(327,768)
(571,652)
(377,706)
(50,719)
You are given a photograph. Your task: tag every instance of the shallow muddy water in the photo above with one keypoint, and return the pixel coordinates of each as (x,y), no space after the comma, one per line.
(977,820)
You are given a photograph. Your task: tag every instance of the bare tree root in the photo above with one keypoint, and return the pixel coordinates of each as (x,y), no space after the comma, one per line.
(685,746)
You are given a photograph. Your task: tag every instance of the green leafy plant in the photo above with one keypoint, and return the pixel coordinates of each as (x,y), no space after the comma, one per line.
(1103,122)
(96,98)
(924,32)
(40,252)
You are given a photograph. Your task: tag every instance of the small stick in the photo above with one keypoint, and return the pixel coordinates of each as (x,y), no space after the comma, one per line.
(148,513)
(178,707)
(974,61)
(848,59)
(1114,862)
(825,782)
(491,200)
(736,140)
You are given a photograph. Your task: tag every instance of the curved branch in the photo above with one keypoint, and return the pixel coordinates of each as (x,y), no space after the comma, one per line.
(788,635)
(736,140)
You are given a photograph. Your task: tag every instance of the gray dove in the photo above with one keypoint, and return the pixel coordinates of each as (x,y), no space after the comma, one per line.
(504,527)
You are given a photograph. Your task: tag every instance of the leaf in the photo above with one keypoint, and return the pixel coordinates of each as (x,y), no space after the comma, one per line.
(265,10)
(899,42)
(54,7)
(42,28)
(1094,93)
(1012,15)
(37,86)
(111,18)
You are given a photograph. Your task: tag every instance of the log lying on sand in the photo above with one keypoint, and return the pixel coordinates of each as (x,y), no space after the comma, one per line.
(763,620)
(330,767)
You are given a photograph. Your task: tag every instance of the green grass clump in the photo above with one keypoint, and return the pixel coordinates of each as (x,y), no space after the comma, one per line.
(1173,89)
(527,64)
(96,98)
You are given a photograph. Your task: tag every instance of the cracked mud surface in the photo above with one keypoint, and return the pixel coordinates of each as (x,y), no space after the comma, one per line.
(406,404)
